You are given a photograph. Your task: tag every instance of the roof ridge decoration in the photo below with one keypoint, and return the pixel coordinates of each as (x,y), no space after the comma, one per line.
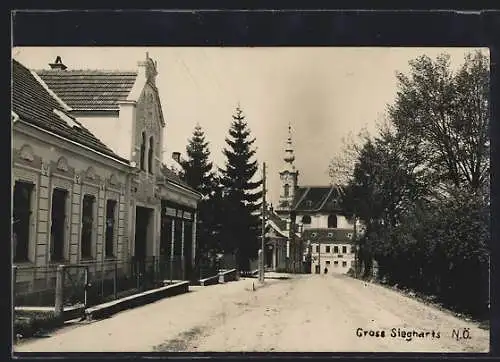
(88,70)
(53,95)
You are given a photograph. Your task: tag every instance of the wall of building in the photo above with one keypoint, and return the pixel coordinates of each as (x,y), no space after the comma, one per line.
(320,221)
(115,132)
(49,163)
(335,262)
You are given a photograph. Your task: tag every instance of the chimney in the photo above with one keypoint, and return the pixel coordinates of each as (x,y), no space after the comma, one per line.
(58,64)
(176,156)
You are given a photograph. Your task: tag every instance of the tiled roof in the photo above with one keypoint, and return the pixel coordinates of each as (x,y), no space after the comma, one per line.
(328,235)
(90,89)
(171,176)
(279,222)
(34,104)
(317,198)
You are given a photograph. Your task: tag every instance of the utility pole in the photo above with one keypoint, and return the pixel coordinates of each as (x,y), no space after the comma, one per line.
(319,256)
(263,220)
(356,257)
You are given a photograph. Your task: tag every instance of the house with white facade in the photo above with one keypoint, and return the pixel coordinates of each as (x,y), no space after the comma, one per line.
(88,184)
(123,109)
(70,192)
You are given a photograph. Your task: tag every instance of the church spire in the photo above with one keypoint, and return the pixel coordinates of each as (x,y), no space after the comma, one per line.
(288,177)
(289,154)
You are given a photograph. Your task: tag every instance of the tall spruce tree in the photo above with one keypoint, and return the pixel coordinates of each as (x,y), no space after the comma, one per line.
(240,232)
(197,166)
(199,175)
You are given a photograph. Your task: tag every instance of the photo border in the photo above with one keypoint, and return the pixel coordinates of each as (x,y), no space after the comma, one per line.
(269,28)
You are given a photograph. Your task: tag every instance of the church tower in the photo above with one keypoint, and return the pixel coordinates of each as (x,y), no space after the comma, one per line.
(288,178)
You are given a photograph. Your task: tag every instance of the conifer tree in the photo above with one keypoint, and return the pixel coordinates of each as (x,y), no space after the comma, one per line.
(240,232)
(198,173)
(197,167)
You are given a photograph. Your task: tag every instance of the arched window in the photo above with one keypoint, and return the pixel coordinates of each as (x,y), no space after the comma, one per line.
(143,152)
(332,221)
(287,190)
(306,219)
(150,155)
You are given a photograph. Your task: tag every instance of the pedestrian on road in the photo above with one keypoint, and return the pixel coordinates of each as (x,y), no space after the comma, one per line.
(326,270)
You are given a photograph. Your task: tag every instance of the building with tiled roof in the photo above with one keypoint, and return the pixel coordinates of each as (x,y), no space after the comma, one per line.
(65,182)
(102,142)
(36,104)
(83,90)
(123,109)
(316,216)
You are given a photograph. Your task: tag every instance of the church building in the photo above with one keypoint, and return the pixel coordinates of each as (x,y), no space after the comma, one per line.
(308,228)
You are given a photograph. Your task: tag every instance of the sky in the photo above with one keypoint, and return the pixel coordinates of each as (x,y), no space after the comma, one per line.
(325,93)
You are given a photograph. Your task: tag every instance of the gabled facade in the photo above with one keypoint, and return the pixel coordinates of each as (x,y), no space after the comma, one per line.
(124,110)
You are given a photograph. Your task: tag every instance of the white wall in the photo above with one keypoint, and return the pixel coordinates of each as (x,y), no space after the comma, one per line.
(323,258)
(320,221)
(114,132)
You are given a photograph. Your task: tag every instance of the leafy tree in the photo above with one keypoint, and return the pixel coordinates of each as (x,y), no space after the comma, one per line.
(446,116)
(242,193)
(421,185)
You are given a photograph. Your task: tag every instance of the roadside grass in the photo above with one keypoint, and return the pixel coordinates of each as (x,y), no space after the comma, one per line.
(33,323)
(431,300)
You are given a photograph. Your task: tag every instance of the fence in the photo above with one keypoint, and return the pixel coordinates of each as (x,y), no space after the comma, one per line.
(93,283)
(34,286)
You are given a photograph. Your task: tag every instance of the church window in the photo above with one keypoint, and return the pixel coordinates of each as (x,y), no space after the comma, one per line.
(287,190)
(143,152)
(332,221)
(150,155)
(306,219)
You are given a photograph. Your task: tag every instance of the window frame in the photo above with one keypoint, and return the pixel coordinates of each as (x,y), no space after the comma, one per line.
(91,225)
(31,214)
(113,229)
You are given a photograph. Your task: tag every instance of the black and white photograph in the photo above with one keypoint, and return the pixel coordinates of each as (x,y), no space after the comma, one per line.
(250,199)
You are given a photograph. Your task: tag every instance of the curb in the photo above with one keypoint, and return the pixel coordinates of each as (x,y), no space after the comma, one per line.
(108,309)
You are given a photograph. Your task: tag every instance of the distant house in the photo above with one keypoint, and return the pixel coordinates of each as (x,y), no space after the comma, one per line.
(124,110)
(330,248)
(318,221)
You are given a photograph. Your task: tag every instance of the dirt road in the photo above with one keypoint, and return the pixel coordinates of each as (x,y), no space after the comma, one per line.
(314,313)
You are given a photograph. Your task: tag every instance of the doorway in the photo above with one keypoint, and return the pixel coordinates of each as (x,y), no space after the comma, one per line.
(142,222)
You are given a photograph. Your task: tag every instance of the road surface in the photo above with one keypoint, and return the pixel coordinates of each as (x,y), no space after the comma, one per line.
(308,313)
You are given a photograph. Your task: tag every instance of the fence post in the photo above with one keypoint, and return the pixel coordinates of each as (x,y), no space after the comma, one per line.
(138,274)
(87,284)
(14,279)
(59,302)
(115,277)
